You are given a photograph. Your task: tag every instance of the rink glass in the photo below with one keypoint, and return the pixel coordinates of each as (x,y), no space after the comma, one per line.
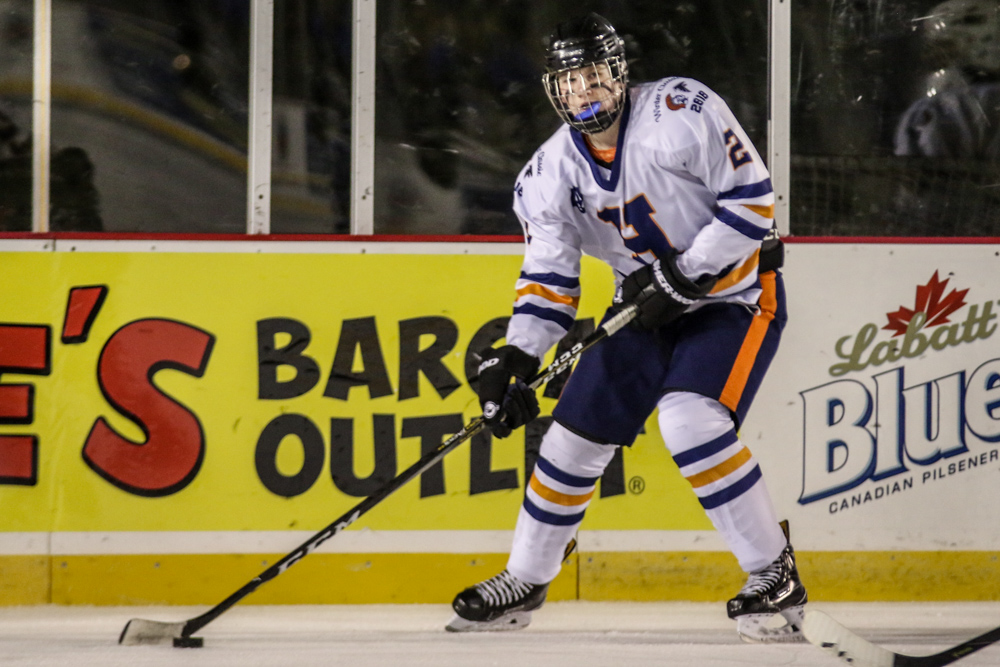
(150,110)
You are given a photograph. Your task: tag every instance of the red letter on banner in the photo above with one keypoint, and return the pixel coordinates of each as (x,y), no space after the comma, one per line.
(24,349)
(174,447)
(81,311)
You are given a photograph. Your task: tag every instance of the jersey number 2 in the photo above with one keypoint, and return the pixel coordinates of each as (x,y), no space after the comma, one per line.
(738,154)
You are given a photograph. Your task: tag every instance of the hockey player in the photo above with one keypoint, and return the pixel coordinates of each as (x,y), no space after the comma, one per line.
(660,181)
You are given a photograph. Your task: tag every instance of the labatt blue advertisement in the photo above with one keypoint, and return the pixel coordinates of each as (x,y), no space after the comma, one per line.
(884,414)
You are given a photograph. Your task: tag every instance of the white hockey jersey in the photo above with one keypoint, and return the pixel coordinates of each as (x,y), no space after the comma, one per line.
(685,176)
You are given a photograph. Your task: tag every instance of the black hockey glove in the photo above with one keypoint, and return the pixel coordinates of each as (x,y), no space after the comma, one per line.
(672,293)
(507,406)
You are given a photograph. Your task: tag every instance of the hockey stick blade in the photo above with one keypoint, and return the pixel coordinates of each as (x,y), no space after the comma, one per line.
(832,637)
(140,631)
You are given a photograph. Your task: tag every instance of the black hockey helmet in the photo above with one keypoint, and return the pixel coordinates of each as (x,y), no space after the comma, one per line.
(586,73)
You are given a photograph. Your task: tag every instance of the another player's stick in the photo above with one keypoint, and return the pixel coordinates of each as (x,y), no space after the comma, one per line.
(140,631)
(838,641)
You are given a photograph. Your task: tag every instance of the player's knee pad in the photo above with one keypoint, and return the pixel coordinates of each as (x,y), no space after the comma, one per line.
(574,454)
(688,420)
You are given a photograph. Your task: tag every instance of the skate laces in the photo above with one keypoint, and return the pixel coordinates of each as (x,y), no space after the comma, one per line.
(765,579)
(503,589)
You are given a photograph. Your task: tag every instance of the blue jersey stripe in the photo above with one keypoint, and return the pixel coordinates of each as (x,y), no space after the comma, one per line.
(562,319)
(730,492)
(551,518)
(742,226)
(552,279)
(564,477)
(710,448)
(749,191)
(611,183)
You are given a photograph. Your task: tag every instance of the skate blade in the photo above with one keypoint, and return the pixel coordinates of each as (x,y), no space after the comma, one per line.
(513,621)
(760,628)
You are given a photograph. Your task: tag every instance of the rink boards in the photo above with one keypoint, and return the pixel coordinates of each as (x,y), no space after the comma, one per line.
(176,416)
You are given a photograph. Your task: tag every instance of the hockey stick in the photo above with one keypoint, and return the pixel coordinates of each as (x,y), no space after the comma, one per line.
(139,631)
(838,641)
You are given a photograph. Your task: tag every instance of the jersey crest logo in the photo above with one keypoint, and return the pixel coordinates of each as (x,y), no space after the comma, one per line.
(576,198)
(676,102)
(682,87)
(530,171)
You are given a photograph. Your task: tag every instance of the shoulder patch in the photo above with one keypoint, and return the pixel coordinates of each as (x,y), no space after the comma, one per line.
(677,101)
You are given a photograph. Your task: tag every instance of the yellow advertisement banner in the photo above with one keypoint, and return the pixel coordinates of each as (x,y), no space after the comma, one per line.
(248,392)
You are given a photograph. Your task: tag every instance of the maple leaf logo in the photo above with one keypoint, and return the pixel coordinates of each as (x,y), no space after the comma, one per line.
(931,302)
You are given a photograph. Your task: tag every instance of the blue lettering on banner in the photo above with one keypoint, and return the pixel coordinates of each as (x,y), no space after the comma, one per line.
(853,435)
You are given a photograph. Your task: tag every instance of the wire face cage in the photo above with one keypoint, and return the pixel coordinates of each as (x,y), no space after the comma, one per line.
(591,97)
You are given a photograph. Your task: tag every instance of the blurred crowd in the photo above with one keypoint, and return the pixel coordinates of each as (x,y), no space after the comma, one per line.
(895,109)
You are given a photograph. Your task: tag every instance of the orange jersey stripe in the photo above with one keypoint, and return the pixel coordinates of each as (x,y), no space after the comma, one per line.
(718,472)
(556,497)
(737,380)
(738,274)
(762,211)
(546,293)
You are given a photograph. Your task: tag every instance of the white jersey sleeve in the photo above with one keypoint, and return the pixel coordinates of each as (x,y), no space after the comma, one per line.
(548,289)
(720,153)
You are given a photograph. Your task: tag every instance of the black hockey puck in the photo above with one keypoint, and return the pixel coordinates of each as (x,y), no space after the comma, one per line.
(188,642)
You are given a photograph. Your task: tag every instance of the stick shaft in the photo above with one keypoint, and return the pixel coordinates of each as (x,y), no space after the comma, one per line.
(426,461)
(342,522)
(950,655)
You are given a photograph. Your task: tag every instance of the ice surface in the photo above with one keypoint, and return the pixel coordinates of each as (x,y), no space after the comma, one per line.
(562,634)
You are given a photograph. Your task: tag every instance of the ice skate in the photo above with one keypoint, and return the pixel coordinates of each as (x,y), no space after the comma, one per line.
(771,595)
(503,602)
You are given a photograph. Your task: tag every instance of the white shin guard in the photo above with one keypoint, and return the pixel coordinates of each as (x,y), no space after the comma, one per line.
(700,434)
(556,498)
